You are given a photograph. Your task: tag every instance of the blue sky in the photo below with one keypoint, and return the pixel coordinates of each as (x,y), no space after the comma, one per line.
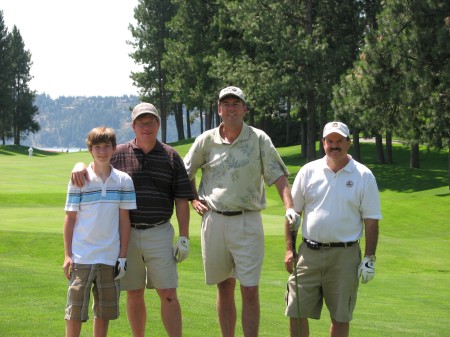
(78,47)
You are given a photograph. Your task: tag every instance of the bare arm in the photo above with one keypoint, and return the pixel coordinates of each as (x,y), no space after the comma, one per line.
(371,232)
(289,255)
(182,212)
(124,230)
(69,224)
(284,191)
(198,205)
(79,174)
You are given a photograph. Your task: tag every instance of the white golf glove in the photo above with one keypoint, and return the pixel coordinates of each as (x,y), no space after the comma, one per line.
(366,269)
(120,268)
(293,218)
(181,249)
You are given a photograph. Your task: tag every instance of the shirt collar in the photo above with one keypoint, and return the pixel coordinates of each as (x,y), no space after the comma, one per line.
(93,176)
(135,147)
(244,135)
(348,168)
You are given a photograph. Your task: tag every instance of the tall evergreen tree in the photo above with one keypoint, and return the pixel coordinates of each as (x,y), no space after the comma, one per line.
(149,35)
(290,51)
(401,83)
(23,110)
(186,60)
(5,83)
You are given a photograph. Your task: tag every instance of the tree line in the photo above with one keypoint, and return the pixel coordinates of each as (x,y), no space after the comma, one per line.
(65,121)
(379,66)
(17,109)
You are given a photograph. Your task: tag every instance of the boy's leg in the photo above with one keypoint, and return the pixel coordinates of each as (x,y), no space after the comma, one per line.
(100,327)
(106,294)
(73,328)
(78,299)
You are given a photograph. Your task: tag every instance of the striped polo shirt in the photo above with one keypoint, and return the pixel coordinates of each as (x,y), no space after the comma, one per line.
(96,237)
(158,176)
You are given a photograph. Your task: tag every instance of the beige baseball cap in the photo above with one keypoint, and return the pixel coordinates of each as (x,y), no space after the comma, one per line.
(144,108)
(231,91)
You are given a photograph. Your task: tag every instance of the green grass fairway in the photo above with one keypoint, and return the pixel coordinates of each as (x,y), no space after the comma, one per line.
(409,296)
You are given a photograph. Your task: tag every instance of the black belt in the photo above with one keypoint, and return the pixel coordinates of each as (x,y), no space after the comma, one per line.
(317,245)
(229,213)
(147,226)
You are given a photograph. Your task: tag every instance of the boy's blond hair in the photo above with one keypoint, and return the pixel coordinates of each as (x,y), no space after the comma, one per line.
(101,134)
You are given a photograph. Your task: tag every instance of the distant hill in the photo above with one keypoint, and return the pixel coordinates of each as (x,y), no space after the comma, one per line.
(65,121)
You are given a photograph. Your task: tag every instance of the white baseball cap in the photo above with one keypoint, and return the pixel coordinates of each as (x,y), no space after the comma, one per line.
(231,91)
(336,127)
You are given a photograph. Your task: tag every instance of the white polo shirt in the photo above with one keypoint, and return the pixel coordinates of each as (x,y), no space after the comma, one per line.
(335,204)
(96,236)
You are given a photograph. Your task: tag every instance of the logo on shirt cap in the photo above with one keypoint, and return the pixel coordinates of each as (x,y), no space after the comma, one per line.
(349,183)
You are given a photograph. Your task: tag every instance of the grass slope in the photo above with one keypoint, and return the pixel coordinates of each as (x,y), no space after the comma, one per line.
(408,297)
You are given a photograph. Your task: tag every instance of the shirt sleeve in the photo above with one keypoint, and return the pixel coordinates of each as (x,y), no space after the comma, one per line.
(182,184)
(128,194)
(370,204)
(194,159)
(73,198)
(272,165)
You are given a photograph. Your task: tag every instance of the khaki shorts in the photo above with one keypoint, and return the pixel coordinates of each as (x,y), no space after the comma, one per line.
(329,274)
(150,261)
(100,278)
(232,246)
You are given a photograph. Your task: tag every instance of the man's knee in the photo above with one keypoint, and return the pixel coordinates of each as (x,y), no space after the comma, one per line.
(227,286)
(135,295)
(168,295)
(250,293)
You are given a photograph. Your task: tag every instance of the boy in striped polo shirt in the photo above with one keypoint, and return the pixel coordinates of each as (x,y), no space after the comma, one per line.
(96,232)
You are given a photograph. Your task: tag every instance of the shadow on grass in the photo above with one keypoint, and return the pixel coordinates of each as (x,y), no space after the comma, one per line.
(397,176)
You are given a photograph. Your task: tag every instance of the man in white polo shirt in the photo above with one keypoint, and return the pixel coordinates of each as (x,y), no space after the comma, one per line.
(339,200)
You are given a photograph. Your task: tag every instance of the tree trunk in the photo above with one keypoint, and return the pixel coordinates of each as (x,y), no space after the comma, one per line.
(202,126)
(310,97)
(262,122)
(208,118)
(311,128)
(217,117)
(356,153)
(162,103)
(188,124)
(179,120)
(379,149)
(251,118)
(448,168)
(415,158)
(389,153)
(288,120)
(303,128)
